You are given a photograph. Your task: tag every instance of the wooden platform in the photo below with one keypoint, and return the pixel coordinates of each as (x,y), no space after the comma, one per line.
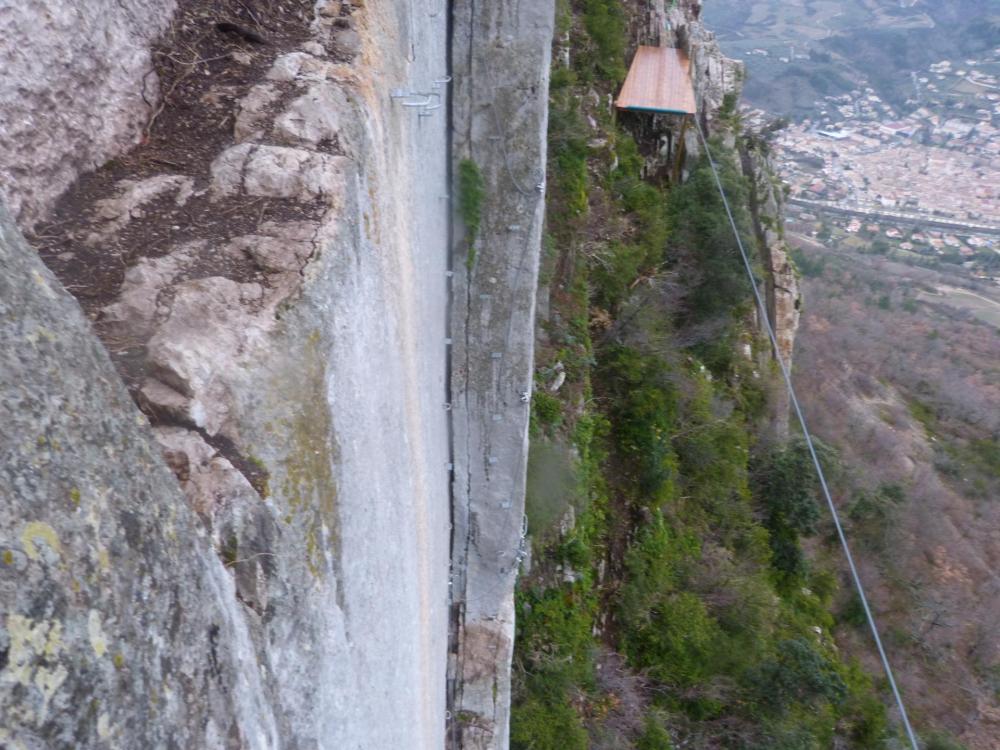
(658,81)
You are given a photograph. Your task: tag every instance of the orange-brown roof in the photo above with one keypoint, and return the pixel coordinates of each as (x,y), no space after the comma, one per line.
(658,81)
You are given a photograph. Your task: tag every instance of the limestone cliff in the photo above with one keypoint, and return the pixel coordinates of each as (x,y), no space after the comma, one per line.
(268,275)
(781,282)
(121,625)
(250,203)
(500,57)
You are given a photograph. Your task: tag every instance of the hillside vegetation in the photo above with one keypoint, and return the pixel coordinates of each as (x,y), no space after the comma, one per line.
(669,602)
(898,373)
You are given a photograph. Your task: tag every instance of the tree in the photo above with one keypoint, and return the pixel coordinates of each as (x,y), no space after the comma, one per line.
(703,238)
(785,485)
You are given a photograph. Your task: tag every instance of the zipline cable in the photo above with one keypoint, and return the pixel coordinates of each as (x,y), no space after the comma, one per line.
(812,450)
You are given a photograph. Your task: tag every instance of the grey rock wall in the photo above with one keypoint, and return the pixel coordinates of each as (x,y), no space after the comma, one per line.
(501,57)
(120,625)
(783,295)
(75,74)
(295,595)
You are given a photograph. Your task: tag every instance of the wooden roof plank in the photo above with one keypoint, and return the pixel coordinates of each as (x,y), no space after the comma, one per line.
(658,81)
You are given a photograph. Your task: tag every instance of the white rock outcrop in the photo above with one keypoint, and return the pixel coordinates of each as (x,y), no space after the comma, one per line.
(74,97)
(278,172)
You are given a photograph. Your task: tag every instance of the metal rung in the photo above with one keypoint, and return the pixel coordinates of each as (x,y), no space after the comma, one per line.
(422,103)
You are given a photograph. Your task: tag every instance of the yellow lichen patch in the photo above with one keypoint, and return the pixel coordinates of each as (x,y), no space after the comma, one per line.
(35,531)
(103,727)
(308,485)
(48,681)
(97,640)
(97,503)
(40,333)
(74,497)
(40,280)
(8,557)
(103,560)
(35,646)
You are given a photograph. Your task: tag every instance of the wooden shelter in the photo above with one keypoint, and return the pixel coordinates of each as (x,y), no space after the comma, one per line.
(659,81)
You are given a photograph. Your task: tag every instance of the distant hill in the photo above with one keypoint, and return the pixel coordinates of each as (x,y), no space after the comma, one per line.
(800,50)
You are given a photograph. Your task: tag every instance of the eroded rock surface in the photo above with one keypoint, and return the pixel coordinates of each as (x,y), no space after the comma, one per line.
(120,625)
(74,96)
(273,294)
(783,296)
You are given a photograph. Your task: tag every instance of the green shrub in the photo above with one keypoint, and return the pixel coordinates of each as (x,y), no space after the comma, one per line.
(786,488)
(546,723)
(646,208)
(546,408)
(810,266)
(605,25)
(941,741)
(797,674)
(853,612)
(787,485)
(676,641)
(643,413)
(470,201)
(655,565)
(568,193)
(716,283)
(986,455)
(872,513)
(553,662)
(868,721)
(654,736)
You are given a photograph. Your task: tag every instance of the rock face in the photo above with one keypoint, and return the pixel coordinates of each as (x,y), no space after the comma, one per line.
(500,56)
(75,91)
(286,335)
(781,282)
(121,626)
(714,76)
